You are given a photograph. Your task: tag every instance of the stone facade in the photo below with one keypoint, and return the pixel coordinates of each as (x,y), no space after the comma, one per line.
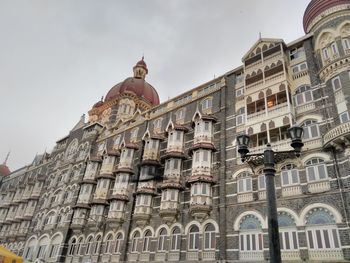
(147,182)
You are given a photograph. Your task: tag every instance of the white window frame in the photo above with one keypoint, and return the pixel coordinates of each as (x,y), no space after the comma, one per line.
(193,237)
(334,48)
(311,129)
(207,103)
(305,94)
(299,67)
(244,184)
(346,43)
(312,232)
(314,165)
(334,85)
(262,182)
(289,175)
(239,92)
(289,237)
(248,240)
(344,117)
(175,240)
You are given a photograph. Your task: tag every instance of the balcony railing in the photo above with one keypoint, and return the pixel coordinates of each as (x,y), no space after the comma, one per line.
(335,133)
(291,190)
(319,187)
(244,197)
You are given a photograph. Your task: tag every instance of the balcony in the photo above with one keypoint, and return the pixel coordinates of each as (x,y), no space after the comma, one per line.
(200,206)
(262,195)
(291,190)
(168,211)
(208,255)
(244,197)
(174,256)
(142,215)
(116,216)
(192,255)
(319,187)
(326,254)
(151,154)
(290,255)
(251,256)
(133,256)
(337,135)
(78,222)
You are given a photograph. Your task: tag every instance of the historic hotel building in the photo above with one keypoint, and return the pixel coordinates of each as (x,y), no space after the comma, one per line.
(144,181)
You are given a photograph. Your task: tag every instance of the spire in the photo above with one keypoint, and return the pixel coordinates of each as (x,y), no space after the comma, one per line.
(7,157)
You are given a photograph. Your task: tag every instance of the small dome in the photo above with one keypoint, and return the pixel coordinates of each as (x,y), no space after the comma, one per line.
(4,170)
(316,7)
(142,64)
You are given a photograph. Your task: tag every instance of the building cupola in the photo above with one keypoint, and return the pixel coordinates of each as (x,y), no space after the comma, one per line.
(140,69)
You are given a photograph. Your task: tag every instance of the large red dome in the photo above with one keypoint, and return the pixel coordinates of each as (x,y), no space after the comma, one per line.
(316,7)
(138,86)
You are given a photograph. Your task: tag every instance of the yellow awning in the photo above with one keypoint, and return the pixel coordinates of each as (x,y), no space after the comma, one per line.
(8,257)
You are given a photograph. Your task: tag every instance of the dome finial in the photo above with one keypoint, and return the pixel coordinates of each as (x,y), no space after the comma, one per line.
(7,157)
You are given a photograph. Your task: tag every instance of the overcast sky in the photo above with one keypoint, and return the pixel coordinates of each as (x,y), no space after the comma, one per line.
(59,57)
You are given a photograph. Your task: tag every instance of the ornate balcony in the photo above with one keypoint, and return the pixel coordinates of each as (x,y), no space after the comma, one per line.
(337,135)
(169,211)
(319,187)
(245,197)
(142,215)
(291,190)
(200,206)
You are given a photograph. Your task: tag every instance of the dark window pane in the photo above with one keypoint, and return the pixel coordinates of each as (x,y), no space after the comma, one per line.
(318,239)
(326,238)
(311,242)
(335,238)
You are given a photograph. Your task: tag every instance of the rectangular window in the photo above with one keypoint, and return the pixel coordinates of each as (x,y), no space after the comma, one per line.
(300,67)
(244,185)
(240,119)
(239,93)
(336,83)
(344,117)
(262,184)
(334,48)
(346,44)
(325,53)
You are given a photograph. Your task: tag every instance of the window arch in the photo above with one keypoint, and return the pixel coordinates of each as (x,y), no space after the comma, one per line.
(250,236)
(209,237)
(175,239)
(162,239)
(311,129)
(72,246)
(97,242)
(89,245)
(135,241)
(288,232)
(118,241)
(79,244)
(146,241)
(289,175)
(108,245)
(316,170)
(321,229)
(193,243)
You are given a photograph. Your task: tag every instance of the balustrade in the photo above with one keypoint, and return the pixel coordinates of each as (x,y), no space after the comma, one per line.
(244,197)
(291,190)
(208,255)
(319,187)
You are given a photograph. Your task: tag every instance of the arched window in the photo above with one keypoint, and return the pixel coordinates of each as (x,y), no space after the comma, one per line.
(303,94)
(175,239)
(321,229)
(79,243)
(209,237)
(108,244)
(146,241)
(316,170)
(289,175)
(118,242)
(193,243)
(135,241)
(162,240)
(244,183)
(250,236)
(311,129)
(88,245)
(97,242)
(288,232)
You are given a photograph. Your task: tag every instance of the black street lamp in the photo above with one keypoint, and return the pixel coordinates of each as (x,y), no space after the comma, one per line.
(268,159)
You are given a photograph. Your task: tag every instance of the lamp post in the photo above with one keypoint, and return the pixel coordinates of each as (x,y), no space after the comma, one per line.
(268,159)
